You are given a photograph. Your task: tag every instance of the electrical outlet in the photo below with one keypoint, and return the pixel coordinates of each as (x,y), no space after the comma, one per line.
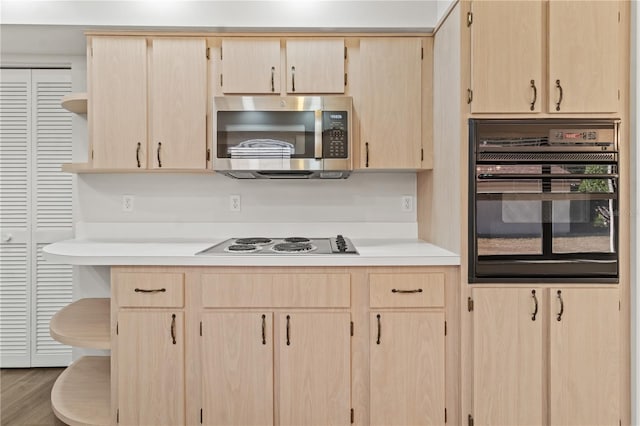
(407,203)
(127,203)
(234,203)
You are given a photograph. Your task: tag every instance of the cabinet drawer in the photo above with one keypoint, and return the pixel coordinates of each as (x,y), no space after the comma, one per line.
(406,290)
(276,290)
(149,289)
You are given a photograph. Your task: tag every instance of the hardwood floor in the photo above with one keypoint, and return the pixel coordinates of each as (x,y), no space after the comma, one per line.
(25,396)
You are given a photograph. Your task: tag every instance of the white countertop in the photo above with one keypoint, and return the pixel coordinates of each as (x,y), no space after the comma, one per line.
(372,252)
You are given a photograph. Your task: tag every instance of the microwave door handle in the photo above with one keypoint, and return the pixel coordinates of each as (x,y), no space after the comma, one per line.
(318,135)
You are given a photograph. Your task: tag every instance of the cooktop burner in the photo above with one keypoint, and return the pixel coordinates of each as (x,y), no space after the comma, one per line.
(297,240)
(293,247)
(255,240)
(242,248)
(282,246)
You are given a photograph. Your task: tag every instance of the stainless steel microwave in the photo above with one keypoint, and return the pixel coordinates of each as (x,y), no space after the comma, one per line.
(291,137)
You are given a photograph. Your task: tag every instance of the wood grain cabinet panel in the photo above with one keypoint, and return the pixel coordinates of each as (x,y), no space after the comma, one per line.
(389,102)
(573,46)
(150,374)
(407,371)
(149,289)
(118,102)
(553,354)
(250,66)
(424,290)
(237,368)
(584,56)
(507,357)
(506,56)
(276,290)
(178,103)
(315,66)
(584,357)
(315,369)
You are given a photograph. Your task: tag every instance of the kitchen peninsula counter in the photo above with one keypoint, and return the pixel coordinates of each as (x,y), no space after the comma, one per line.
(372,252)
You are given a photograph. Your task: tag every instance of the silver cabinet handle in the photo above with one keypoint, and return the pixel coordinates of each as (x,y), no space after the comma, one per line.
(293,79)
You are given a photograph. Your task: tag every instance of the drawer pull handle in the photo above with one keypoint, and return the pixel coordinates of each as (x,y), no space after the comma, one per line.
(395,290)
(559,318)
(535,302)
(288,336)
(173,328)
(153,290)
(379,329)
(264,329)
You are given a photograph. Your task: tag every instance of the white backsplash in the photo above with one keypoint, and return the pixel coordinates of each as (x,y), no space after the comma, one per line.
(364,197)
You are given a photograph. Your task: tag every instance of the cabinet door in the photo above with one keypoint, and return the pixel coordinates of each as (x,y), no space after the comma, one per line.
(314,369)
(584,55)
(178,104)
(315,66)
(118,102)
(151,367)
(507,356)
(250,66)
(407,368)
(390,103)
(584,357)
(506,56)
(237,368)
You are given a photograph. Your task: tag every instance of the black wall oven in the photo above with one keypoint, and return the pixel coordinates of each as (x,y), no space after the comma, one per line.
(543,200)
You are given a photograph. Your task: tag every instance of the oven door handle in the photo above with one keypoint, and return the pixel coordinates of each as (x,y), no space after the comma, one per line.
(524,176)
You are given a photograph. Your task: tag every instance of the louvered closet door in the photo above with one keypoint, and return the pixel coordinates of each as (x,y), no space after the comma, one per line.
(52,211)
(35,209)
(15,215)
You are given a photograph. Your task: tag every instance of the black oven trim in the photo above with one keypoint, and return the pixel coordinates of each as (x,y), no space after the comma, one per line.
(503,271)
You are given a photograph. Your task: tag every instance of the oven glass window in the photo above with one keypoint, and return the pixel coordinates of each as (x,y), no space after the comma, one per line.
(266,134)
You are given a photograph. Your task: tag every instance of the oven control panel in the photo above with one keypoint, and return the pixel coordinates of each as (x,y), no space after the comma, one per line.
(335,141)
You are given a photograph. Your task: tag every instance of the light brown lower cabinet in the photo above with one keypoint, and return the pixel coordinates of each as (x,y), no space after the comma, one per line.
(546,356)
(407,368)
(313,376)
(150,375)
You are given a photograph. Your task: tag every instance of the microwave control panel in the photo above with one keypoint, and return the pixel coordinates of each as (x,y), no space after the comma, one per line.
(335,141)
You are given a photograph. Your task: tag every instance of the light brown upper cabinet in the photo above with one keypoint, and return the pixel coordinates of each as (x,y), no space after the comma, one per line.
(178,104)
(513,72)
(389,102)
(174,110)
(526,336)
(506,56)
(253,66)
(584,56)
(315,66)
(118,102)
(250,66)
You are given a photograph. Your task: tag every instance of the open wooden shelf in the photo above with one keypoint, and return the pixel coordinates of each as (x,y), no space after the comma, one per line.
(81,394)
(86,168)
(75,102)
(83,323)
